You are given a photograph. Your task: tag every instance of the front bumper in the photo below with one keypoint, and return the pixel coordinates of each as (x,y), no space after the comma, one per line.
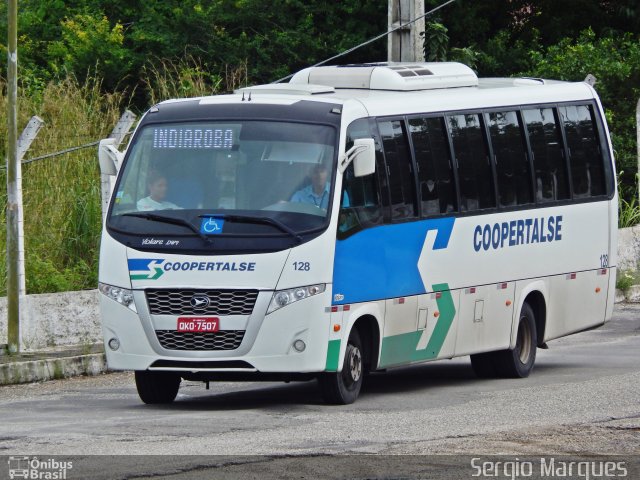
(267,345)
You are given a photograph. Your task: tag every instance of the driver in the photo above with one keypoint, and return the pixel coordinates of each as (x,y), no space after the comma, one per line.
(157,193)
(317,193)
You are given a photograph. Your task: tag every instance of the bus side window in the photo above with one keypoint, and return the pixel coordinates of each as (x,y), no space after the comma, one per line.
(475,175)
(585,158)
(513,171)
(397,156)
(433,160)
(551,177)
(360,201)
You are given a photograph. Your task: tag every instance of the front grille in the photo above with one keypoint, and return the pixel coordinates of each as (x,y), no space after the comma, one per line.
(221,302)
(222,340)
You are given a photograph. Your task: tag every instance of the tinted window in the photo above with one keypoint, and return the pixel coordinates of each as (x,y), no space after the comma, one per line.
(585,158)
(399,169)
(551,180)
(474,170)
(436,183)
(360,195)
(512,162)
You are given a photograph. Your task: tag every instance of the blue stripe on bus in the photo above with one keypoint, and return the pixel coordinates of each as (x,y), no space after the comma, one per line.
(382,262)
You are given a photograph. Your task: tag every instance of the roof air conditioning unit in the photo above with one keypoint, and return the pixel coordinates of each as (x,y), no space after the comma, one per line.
(390,76)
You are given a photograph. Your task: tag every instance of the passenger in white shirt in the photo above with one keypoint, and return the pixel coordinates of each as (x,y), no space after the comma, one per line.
(157,194)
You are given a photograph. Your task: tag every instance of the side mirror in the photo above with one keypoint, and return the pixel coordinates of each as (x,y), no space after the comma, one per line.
(109,156)
(363,156)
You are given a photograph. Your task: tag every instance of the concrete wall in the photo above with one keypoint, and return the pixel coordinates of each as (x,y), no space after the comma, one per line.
(56,319)
(629,248)
(72,318)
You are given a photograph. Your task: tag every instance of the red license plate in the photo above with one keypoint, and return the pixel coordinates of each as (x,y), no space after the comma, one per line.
(198,324)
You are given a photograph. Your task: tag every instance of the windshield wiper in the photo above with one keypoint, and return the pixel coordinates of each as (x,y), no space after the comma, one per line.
(170,220)
(260,220)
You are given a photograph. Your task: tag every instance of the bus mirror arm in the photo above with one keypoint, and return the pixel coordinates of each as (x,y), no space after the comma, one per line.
(109,157)
(363,156)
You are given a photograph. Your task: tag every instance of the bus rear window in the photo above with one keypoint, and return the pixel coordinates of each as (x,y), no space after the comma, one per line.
(585,157)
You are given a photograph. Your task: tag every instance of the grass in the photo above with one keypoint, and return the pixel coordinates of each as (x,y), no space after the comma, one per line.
(62,212)
(61,194)
(625,280)
(629,212)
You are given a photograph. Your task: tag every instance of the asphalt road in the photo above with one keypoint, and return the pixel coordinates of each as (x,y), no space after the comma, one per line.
(583,397)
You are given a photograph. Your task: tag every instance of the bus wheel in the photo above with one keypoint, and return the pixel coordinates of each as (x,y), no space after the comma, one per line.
(342,388)
(518,362)
(157,387)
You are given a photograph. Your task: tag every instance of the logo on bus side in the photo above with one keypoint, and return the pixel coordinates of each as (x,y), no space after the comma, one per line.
(517,232)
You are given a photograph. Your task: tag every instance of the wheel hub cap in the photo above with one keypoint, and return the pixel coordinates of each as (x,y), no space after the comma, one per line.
(355,364)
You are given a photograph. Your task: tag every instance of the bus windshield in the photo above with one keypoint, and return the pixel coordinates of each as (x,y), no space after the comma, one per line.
(272,177)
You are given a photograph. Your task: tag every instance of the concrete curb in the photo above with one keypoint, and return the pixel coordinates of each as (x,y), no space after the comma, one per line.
(631,295)
(52,368)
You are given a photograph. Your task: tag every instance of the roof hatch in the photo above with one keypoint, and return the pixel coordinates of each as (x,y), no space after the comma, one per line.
(390,76)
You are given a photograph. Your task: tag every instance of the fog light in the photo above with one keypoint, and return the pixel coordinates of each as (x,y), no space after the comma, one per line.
(114,344)
(299,346)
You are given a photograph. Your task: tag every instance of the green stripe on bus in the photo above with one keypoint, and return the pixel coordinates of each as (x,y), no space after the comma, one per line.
(402,348)
(333,356)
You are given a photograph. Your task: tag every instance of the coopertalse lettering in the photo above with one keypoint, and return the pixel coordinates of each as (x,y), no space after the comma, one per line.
(494,236)
(210,266)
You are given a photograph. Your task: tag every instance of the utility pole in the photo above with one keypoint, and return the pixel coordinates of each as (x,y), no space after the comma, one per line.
(406,44)
(13,182)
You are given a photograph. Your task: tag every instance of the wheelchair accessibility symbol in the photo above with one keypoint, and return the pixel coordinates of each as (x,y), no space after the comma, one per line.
(211,225)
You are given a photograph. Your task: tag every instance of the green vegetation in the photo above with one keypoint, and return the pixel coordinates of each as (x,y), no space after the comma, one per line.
(626,280)
(62,194)
(629,213)
(83,61)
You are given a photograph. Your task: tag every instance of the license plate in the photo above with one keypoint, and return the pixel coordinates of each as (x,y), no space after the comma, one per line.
(198,324)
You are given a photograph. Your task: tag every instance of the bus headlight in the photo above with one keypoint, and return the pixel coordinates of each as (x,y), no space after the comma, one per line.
(123,296)
(282,298)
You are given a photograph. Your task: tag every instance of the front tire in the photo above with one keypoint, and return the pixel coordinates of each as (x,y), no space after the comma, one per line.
(157,387)
(342,388)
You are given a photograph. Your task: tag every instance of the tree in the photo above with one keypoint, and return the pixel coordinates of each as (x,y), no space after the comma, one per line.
(615,62)
(90,45)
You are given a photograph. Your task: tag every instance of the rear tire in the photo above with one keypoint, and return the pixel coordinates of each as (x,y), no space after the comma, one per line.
(342,388)
(511,363)
(157,387)
(518,362)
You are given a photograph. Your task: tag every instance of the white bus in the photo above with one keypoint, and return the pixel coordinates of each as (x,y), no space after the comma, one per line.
(355,219)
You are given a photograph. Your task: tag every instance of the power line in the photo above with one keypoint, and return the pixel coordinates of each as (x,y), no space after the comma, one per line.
(61,152)
(352,49)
